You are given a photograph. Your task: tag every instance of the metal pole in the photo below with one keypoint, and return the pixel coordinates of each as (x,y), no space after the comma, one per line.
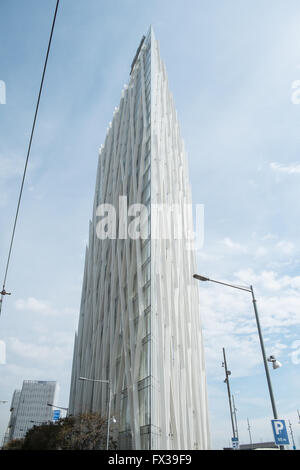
(235,418)
(228,391)
(108,423)
(264,358)
(264,355)
(249,432)
(109,402)
(292,435)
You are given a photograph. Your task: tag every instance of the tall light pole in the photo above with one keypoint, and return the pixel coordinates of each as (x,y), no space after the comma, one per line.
(227,374)
(249,430)
(250,289)
(234,409)
(292,435)
(109,403)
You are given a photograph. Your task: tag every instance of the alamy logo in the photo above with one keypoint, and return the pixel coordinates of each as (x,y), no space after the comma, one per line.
(2,92)
(295,355)
(2,353)
(168,222)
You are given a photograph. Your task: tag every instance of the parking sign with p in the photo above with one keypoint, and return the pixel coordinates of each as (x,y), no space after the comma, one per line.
(280,432)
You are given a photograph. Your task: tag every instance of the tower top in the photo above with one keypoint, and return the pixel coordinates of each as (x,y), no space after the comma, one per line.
(150,33)
(137,53)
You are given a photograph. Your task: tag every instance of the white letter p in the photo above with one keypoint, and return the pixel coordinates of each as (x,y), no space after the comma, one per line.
(278,427)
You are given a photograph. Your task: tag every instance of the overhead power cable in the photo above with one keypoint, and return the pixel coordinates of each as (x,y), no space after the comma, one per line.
(3,292)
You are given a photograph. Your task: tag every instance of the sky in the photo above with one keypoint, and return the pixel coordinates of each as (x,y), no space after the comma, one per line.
(233,68)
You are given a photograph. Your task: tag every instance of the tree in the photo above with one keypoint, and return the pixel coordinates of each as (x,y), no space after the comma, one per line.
(86,432)
(42,437)
(83,432)
(15,444)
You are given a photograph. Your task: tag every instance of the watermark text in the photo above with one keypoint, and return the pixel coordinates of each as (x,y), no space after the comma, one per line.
(2,92)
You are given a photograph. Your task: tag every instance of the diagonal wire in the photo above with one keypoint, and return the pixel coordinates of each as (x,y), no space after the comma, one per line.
(27,156)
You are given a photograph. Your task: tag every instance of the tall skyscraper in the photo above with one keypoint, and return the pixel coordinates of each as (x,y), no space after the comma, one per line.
(29,407)
(139,327)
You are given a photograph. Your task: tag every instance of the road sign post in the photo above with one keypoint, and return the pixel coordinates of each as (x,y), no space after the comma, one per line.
(56,415)
(235,442)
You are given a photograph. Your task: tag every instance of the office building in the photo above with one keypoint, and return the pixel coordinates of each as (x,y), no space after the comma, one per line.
(29,407)
(139,326)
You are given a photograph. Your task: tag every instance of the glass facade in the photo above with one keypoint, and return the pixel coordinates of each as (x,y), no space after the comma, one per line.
(29,407)
(114,342)
(139,314)
(139,299)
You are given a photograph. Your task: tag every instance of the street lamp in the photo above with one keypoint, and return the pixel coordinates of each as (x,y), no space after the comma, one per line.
(250,289)
(109,403)
(275,364)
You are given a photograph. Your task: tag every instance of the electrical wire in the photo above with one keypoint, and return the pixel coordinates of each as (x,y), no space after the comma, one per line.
(27,158)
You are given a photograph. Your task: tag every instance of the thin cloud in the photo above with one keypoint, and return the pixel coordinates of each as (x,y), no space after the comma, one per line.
(293,168)
(234,246)
(229,321)
(286,247)
(39,352)
(10,167)
(41,306)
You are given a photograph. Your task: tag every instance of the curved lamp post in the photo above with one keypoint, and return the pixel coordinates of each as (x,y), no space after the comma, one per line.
(250,289)
(109,402)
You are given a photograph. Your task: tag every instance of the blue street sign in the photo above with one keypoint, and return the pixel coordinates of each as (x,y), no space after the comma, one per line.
(56,415)
(280,432)
(235,442)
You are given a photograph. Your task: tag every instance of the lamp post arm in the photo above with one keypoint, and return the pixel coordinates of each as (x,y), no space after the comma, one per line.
(231,285)
(94,380)
(59,407)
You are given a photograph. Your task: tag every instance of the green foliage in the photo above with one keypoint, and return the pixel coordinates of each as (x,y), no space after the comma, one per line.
(43,437)
(83,432)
